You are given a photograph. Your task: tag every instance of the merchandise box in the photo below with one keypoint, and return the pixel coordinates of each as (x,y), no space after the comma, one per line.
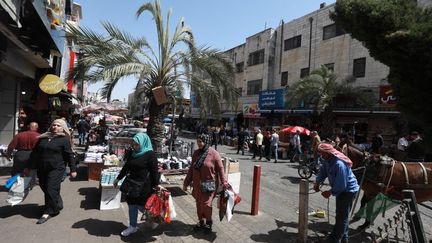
(110,198)
(234,181)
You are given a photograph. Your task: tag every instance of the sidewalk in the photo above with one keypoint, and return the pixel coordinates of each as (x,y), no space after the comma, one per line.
(82,221)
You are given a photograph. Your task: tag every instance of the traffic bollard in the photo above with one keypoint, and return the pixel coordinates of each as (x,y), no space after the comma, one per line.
(256,189)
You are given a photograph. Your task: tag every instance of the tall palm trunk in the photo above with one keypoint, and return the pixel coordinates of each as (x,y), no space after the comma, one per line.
(156,128)
(327,123)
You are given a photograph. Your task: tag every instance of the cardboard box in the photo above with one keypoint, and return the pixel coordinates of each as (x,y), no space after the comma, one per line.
(234,167)
(159,95)
(110,198)
(234,181)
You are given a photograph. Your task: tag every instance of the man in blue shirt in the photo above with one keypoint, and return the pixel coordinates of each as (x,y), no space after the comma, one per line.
(337,168)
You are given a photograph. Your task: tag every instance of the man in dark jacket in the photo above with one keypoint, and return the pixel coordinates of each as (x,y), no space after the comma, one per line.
(241,140)
(83,127)
(415,150)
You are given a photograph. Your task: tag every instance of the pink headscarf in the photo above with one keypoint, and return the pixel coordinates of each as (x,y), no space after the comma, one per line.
(328,148)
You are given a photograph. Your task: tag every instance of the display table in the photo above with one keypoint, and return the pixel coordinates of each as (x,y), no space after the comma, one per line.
(94,171)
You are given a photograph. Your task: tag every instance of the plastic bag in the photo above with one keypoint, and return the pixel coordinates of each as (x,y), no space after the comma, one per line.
(19,190)
(173,213)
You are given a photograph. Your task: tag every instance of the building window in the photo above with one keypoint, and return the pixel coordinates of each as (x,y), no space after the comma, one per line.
(331,31)
(254,87)
(330,66)
(359,67)
(304,72)
(284,79)
(240,67)
(292,43)
(256,58)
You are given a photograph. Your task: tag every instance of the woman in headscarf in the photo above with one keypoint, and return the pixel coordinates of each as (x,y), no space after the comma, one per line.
(205,174)
(141,166)
(337,168)
(50,156)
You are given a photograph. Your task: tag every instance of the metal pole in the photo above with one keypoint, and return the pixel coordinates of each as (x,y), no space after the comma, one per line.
(256,189)
(303,211)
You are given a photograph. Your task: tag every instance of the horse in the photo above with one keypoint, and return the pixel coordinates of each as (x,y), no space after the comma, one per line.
(386,175)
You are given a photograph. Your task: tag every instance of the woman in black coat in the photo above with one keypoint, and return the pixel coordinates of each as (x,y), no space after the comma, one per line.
(142,167)
(51,154)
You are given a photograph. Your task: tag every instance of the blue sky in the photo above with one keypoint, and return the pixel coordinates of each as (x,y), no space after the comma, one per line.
(221,24)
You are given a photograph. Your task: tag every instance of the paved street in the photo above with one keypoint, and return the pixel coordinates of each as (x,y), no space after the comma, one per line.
(82,221)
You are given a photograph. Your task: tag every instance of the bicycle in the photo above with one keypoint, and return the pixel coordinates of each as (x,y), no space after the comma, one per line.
(308,169)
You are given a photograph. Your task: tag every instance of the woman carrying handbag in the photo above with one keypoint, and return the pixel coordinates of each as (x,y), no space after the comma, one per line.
(142,177)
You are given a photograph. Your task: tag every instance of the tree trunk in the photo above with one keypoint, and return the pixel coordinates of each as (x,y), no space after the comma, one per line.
(327,123)
(155,127)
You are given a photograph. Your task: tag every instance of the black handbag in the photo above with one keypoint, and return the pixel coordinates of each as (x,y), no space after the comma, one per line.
(208,186)
(132,188)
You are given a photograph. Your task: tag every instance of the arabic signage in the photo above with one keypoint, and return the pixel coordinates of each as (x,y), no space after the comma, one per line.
(51,84)
(271,99)
(387,96)
(250,109)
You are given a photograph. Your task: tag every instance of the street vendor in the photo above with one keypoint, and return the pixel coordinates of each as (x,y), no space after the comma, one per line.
(337,168)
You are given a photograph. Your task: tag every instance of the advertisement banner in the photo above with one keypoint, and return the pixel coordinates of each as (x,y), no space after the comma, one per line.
(386,96)
(272,99)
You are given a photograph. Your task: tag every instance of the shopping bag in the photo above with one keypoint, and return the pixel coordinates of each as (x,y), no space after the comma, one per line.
(173,213)
(19,190)
(227,200)
(11,181)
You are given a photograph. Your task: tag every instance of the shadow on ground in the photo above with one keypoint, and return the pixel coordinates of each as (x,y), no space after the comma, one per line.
(91,198)
(176,191)
(292,179)
(32,211)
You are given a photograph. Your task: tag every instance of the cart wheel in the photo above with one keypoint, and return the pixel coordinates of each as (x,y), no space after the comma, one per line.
(304,172)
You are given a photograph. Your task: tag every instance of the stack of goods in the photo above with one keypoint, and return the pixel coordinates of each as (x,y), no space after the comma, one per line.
(95,154)
(97,149)
(4,162)
(174,163)
(109,175)
(111,160)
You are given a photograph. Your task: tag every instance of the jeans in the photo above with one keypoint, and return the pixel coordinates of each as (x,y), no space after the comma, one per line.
(133,213)
(274,149)
(341,227)
(81,138)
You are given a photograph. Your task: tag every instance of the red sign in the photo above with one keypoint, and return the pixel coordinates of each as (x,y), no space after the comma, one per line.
(387,96)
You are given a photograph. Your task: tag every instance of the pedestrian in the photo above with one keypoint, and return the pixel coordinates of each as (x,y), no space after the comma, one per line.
(142,167)
(215,140)
(241,139)
(337,168)
(377,143)
(50,156)
(415,150)
(402,144)
(205,174)
(274,144)
(101,131)
(23,143)
(297,147)
(266,144)
(258,145)
(316,140)
(83,128)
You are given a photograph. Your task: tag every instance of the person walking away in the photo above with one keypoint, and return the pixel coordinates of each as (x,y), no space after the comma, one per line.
(336,167)
(51,154)
(23,142)
(214,135)
(205,174)
(258,145)
(274,144)
(316,140)
(377,143)
(266,144)
(415,150)
(101,131)
(241,140)
(141,166)
(83,127)
(297,147)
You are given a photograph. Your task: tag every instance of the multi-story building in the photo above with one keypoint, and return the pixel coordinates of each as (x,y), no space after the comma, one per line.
(32,47)
(270,61)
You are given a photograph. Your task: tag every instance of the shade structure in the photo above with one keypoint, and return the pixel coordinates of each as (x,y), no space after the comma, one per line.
(294,129)
(102,106)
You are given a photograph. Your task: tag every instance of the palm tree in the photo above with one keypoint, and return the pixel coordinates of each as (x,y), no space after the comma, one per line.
(119,54)
(320,91)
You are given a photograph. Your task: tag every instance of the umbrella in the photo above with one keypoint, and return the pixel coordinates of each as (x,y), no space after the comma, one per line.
(294,129)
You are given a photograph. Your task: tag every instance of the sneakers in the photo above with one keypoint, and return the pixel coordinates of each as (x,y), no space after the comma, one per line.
(129,230)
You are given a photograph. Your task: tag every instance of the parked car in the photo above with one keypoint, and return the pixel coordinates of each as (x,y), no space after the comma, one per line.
(124,137)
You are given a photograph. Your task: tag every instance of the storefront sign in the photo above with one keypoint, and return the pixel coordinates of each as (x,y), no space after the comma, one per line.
(250,109)
(271,99)
(386,95)
(51,84)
